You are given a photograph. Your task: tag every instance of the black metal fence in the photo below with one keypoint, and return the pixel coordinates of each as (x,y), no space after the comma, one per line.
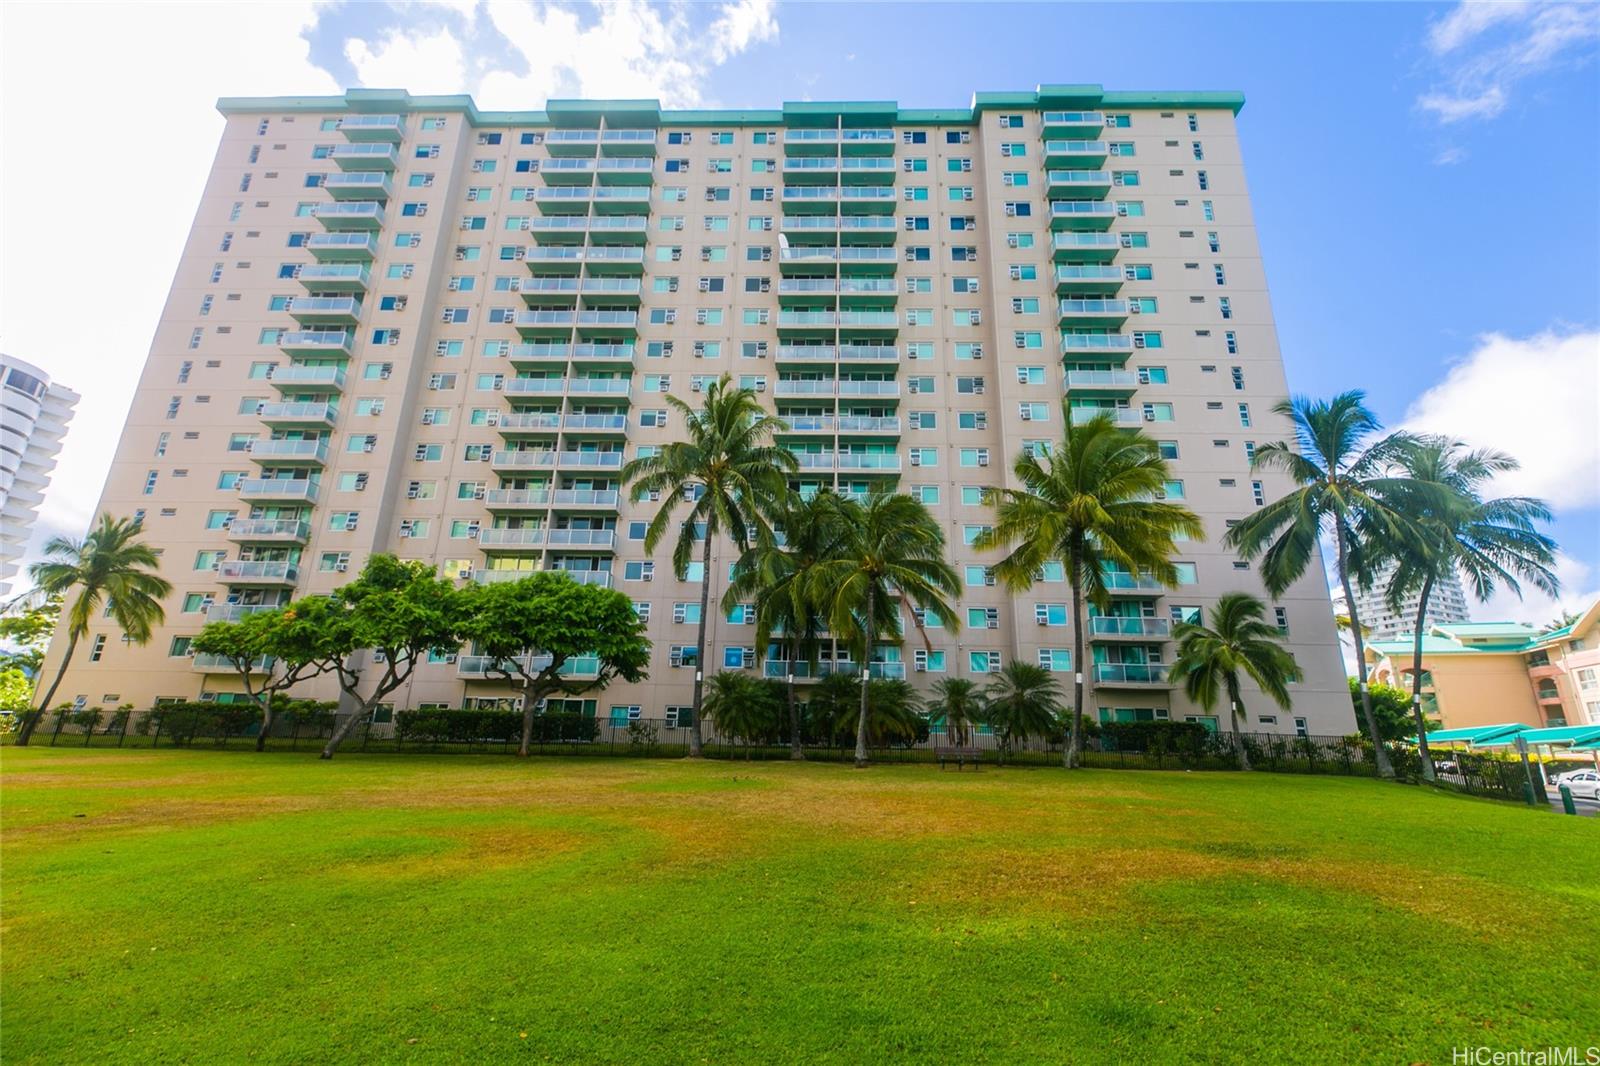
(236,727)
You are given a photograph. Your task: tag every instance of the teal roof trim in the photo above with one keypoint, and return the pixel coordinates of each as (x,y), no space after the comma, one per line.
(1477,734)
(649,113)
(1559,735)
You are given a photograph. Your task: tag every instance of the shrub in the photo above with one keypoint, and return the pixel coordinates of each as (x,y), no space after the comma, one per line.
(502,727)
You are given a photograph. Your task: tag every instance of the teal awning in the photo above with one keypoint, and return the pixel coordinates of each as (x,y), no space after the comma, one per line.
(1478,734)
(1560,736)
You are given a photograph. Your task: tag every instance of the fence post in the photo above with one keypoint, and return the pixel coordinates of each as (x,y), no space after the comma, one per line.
(61,720)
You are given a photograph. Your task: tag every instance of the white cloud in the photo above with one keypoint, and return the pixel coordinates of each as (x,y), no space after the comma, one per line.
(1533,397)
(121,144)
(423,64)
(1482,50)
(1580,587)
(742,24)
(1450,156)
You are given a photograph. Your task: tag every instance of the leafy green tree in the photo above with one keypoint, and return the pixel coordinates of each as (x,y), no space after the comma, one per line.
(891,555)
(743,707)
(1022,700)
(27,628)
(1344,487)
(110,568)
(1211,659)
(1093,503)
(1456,531)
(252,647)
(773,573)
(957,702)
(534,628)
(1391,708)
(15,689)
(727,465)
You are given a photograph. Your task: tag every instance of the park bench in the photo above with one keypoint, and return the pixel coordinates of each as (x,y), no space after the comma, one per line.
(960,758)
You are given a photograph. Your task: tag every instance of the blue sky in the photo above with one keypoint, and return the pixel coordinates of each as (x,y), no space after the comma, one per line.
(1424,175)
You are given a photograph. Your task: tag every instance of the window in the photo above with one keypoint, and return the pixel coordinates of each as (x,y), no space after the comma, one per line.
(1050,614)
(1056,660)
(983,618)
(1280,615)
(1244,415)
(983,662)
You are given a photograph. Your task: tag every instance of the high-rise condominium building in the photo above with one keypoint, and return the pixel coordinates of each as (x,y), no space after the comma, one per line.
(34,412)
(1447,605)
(405,325)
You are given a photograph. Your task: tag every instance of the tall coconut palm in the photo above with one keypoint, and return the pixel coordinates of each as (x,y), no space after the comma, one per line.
(110,567)
(1344,487)
(956,701)
(727,465)
(1093,503)
(1492,542)
(1210,659)
(891,555)
(773,574)
(1022,700)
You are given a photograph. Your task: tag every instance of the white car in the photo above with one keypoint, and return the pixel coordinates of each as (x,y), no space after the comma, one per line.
(1581,782)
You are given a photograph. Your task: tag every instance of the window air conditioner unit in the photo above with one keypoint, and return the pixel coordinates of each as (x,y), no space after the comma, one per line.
(341,567)
(647,576)
(916,459)
(993,624)
(983,460)
(920,669)
(1027,416)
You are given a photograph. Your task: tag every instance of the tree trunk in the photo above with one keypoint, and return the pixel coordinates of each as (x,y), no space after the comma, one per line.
(363,712)
(1238,736)
(1416,683)
(26,733)
(796,747)
(700,645)
(1069,758)
(266,720)
(1380,755)
(526,744)
(866,674)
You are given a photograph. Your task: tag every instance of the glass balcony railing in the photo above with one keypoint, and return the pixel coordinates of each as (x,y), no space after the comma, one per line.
(334,277)
(268,529)
(234,612)
(390,128)
(357,215)
(541,498)
(342,247)
(297,378)
(365,157)
(1139,628)
(1130,674)
(258,571)
(1125,417)
(277,489)
(289,451)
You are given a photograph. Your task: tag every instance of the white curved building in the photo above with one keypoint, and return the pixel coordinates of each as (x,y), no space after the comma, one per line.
(34,412)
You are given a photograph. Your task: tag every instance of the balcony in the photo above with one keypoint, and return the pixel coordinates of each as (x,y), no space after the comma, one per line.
(277,490)
(236,612)
(1093,312)
(1069,124)
(1089,345)
(325,310)
(298,415)
(810,198)
(604,199)
(339,218)
(342,248)
(600,578)
(539,499)
(564,257)
(805,388)
(867,142)
(1114,382)
(823,168)
(268,531)
(811,142)
(1075,184)
(869,425)
(877,199)
(574,171)
(489,539)
(334,277)
(804,671)
(554,460)
(1121,417)
(1107,627)
(297,378)
(859,389)
(813,461)
(599,354)
(211,663)
(314,342)
(626,171)
(513,422)
(1085,247)
(1082,214)
(596,424)
(258,572)
(1075,154)
(364,185)
(536,322)
(534,386)
(571,142)
(366,157)
(574,229)
(1130,675)
(389,128)
(597,386)
(858,170)
(289,452)
(1121,583)
(855,321)
(488,668)
(868,463)
(628,143)
(1091,280)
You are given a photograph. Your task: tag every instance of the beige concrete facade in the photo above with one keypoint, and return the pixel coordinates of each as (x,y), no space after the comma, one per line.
(488,231)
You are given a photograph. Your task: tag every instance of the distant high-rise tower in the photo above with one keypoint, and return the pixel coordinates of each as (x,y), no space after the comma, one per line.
(34,413)
(402,324)
(1447,604)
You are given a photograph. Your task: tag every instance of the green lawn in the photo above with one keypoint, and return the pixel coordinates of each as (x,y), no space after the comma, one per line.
(190,906)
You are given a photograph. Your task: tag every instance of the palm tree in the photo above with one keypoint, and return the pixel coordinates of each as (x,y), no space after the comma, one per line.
(743,707)
(772,573)
(957,701)
(1490,541)
(1210,659)
(1092,503)
(1343,487)
(1023,700)
(891,553)
(727,465)
(111,567)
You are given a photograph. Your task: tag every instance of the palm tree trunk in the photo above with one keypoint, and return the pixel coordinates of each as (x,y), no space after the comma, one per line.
(26,733)
(700,645)
(796,748)
(1238,735)
(1380,755)
(1416,682)
(1069,758)
(866,672)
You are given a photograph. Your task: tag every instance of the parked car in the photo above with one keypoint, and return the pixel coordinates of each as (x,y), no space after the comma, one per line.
(1581,782)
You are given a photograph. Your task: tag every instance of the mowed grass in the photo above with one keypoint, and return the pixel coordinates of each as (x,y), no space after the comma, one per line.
(187,906)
